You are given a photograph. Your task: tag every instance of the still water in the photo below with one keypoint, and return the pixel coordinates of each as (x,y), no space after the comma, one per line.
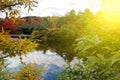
(53,63)
(39,57)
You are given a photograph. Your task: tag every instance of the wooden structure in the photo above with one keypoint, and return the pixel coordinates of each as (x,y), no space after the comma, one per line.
(19,36)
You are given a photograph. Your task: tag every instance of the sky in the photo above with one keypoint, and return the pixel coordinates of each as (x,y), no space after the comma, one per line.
(60,7)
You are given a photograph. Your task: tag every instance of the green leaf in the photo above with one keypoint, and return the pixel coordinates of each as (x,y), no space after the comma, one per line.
(93,59)
(102,58)
(115,58)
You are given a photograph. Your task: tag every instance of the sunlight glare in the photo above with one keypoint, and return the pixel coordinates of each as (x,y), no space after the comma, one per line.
(111,10)
(111,13)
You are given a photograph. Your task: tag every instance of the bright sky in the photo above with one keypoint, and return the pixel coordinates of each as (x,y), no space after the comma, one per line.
(60,7)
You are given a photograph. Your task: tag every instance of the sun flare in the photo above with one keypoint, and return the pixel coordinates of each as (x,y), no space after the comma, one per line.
(111,14)
(111,9)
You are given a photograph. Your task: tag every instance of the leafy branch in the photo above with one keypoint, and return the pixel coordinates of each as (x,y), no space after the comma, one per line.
(8,6)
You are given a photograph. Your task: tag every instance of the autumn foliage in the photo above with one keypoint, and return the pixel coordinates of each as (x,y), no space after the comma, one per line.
(10,25)
(13,47)
(29,72)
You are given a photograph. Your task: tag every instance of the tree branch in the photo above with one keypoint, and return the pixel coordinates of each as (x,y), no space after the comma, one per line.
(2,57)
(7,6)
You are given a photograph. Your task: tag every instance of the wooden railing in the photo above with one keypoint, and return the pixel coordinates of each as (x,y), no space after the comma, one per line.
(19,36)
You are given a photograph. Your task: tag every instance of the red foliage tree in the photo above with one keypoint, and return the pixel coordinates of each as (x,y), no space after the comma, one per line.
(10,25)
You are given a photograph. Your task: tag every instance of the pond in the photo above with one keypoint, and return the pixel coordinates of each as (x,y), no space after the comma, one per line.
(39,57)
(51,55)
(53,63)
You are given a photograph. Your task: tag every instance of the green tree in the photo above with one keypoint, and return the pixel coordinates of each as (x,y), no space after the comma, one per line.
(98,48)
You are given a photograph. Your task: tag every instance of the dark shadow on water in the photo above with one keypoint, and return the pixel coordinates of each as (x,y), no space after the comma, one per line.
(64,50)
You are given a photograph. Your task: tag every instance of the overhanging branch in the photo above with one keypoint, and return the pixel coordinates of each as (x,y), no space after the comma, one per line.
(3,57)
(7,6)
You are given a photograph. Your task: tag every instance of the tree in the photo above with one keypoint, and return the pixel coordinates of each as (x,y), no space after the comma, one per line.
(12,10)
(98,49)
(13,6)
(12,47)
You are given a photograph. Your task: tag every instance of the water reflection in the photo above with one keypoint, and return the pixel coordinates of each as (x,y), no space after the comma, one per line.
(65,50)
(39,57)
(53,63)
